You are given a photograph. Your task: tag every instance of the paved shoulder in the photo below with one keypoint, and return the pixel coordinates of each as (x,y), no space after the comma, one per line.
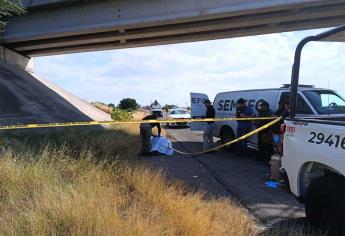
(243,178)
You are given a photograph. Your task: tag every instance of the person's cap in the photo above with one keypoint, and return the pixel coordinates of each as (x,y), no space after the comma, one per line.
(241,101)
(207,101)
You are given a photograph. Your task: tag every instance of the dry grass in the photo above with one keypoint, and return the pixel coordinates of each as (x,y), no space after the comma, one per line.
(138,115)
(102,107)
(89,183)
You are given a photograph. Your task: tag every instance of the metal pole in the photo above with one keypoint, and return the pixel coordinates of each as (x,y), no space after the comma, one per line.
(295,75)
(297,63)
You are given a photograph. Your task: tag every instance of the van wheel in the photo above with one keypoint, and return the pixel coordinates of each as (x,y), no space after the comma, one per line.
(325,205)
(226,136)
(168,125)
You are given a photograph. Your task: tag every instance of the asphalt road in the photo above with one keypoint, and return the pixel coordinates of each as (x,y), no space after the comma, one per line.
(223,174)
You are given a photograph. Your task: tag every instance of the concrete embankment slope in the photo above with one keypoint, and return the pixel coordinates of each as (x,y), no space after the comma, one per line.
(25,98)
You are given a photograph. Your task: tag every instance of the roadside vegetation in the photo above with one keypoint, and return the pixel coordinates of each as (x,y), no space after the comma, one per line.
(124,111)
(128,104)
(121,115)
(9,8)
(104,107)
(89,182)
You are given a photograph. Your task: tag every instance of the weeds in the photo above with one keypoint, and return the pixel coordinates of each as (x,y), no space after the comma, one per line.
(79,182)
(121,115)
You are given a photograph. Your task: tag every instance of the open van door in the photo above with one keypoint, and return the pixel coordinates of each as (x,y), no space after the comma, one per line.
(198,110)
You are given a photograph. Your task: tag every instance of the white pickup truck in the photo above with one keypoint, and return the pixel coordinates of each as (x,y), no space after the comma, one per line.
(314,150)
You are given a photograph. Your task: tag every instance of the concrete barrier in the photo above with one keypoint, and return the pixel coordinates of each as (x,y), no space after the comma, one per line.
(25,98)
(13,58)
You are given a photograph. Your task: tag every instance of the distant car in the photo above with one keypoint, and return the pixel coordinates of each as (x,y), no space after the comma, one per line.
(157,113)
(178,113)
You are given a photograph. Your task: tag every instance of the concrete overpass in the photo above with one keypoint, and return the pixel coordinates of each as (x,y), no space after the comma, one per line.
(68,26)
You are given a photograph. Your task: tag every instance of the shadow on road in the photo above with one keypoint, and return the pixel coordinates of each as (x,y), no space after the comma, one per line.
(223,174)
(298,226)
(175,127)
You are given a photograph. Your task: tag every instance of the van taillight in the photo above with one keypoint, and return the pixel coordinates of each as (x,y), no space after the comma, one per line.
(282,128)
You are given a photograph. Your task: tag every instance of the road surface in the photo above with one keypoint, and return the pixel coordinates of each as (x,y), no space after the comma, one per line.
(222,174)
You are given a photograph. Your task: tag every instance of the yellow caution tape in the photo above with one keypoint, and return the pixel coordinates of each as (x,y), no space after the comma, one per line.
(89,123)
(233,141)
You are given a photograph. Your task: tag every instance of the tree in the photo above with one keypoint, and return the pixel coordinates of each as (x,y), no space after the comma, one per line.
(9,8)
(111,105)
(128,104)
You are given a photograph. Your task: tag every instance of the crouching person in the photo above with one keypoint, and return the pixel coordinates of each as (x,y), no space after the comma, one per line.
(146,133)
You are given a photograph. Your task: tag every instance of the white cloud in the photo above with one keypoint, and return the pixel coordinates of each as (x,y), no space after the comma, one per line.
(169,73)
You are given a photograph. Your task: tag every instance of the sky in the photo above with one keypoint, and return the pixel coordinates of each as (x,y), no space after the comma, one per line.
(169,73)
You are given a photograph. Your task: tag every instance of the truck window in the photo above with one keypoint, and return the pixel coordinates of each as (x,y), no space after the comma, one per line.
(325,101)
(301,107)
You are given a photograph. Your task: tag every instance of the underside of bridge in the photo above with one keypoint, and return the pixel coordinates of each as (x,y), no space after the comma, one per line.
(60,26)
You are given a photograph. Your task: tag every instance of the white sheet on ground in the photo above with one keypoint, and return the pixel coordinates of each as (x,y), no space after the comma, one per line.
(162,145)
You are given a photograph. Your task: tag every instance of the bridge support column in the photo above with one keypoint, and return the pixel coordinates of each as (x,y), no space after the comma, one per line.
(11,57)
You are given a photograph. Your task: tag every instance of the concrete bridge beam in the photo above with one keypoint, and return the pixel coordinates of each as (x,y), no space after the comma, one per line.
(61,26)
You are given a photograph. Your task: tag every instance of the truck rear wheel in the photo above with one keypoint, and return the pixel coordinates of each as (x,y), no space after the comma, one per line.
(325,205)
(226,136)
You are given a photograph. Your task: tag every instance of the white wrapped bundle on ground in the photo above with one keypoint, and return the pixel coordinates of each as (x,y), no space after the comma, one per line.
(162,145)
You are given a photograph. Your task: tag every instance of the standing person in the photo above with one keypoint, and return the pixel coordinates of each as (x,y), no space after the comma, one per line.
(209,126)
(166,110)
(155,103)
(146,133)
(243,126)
(265,138)
(283,111)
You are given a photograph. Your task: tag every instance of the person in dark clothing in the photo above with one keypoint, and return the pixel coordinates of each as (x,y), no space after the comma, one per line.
(155,103)
(243,126)
(265,138)
(209,126)
(283,111)
(146,133)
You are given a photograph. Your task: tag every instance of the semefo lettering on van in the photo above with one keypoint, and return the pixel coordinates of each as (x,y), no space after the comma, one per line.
(230,105)
(198,100)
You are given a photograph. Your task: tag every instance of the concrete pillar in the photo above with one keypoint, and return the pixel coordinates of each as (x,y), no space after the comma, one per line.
(11,57)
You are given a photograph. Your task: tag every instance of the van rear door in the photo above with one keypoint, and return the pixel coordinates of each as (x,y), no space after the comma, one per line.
(198,110)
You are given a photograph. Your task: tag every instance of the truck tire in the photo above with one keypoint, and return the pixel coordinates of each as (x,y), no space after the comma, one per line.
(325,205)
(226,135)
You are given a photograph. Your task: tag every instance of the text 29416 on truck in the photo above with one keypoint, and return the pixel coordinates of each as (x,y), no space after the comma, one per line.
(314,148)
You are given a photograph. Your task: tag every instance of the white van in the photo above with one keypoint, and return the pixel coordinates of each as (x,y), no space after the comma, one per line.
(311,101)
